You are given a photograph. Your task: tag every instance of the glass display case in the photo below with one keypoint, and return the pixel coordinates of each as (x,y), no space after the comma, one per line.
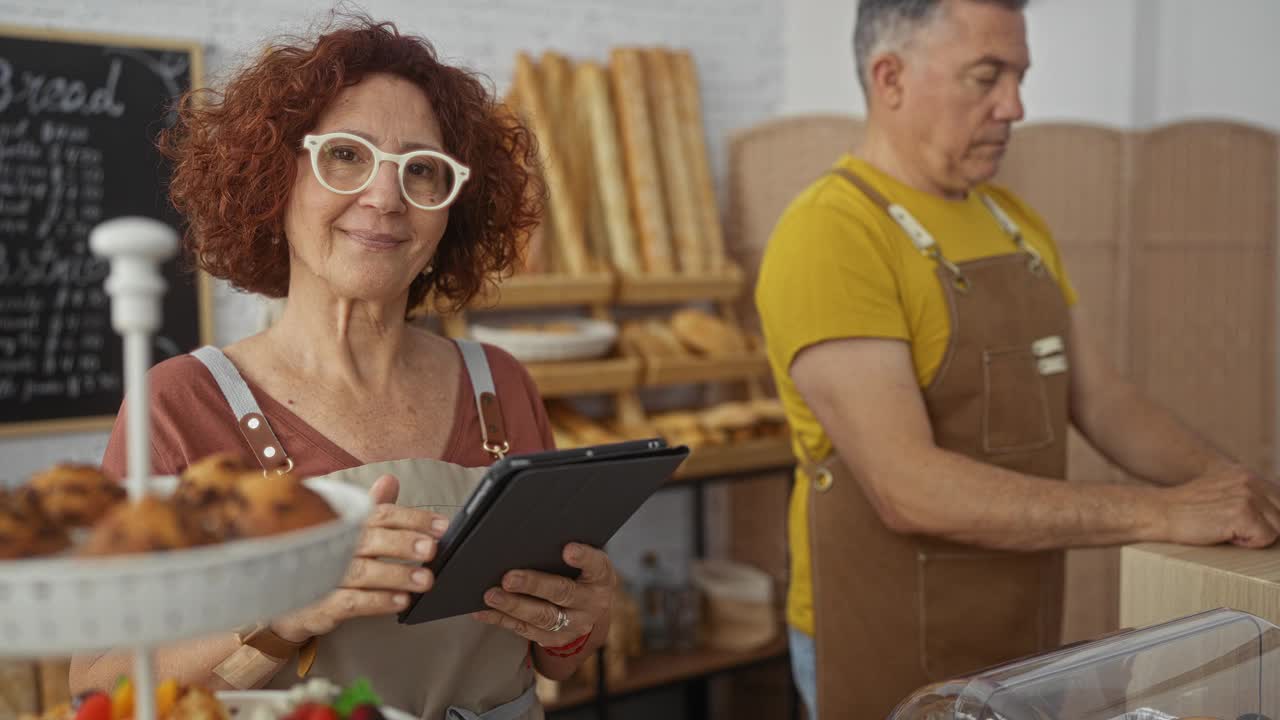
(1217,665)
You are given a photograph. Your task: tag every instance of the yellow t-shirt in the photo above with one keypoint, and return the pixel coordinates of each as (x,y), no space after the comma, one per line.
(837,266)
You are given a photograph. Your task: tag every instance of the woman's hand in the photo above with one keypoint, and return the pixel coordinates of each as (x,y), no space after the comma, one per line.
(373,585)
(552,610)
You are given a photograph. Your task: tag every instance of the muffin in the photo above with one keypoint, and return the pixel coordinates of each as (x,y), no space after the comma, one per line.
(208,488)
(76,496)
(25,530)
(151,524)
(276,503)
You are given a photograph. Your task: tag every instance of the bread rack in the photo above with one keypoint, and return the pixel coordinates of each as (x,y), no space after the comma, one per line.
(65,604)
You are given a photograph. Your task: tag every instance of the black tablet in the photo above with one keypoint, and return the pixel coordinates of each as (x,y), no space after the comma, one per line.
(528,507)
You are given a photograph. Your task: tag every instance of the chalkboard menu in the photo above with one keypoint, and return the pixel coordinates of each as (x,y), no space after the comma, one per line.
(79,116)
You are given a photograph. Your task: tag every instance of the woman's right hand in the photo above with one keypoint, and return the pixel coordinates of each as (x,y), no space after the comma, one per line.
(373,584)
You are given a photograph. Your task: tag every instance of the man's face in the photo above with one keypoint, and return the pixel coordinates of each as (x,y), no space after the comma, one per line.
(960,92)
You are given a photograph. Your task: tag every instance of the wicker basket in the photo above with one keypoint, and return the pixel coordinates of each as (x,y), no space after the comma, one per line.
(740,609)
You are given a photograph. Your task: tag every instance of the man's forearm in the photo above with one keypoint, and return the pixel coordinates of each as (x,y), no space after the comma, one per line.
(944,494)
(1144,439)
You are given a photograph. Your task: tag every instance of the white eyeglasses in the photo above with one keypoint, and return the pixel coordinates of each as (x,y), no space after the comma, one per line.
(347,164)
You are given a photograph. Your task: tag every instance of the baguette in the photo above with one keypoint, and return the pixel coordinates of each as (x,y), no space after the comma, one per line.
(608,187)
(704,333)
(651,339)
(735,420)
(568,232)
(586,431)
(644,179)
(676,182)
(692,127)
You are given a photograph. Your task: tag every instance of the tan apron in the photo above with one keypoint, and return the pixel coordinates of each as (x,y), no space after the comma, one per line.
(895,612)
(457,668)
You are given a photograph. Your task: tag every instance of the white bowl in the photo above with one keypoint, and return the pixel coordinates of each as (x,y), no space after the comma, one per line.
(592,339)
(67,604)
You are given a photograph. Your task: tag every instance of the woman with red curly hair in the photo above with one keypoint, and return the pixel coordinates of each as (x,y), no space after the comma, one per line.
(355,175)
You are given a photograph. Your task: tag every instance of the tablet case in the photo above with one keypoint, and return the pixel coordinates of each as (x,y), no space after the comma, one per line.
(529,521)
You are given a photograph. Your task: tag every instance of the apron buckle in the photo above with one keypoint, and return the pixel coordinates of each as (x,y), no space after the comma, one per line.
(288,468)
(498,451)
(823,480)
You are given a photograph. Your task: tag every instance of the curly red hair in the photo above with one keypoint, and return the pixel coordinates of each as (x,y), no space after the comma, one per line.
(234,156)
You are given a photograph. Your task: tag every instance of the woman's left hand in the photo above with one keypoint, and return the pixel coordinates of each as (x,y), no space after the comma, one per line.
(530,603)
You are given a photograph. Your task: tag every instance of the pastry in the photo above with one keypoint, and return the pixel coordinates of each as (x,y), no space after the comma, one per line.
(644,177)
(682,428)
(583,429)
(734,420)
(76,496)
(207,489)
(566,223)
(704,333)
(608,185)
(689,112)
(686,231)
(277,503)
(151,524)
(25,530)
(771,417)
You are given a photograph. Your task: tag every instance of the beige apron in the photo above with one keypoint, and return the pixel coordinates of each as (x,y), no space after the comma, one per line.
(457,668)
(895,612)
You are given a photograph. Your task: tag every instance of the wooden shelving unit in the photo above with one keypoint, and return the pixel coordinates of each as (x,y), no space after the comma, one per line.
(539,291)
(759,455)
(659,372)
(586,377)
(675,289)
(660,669)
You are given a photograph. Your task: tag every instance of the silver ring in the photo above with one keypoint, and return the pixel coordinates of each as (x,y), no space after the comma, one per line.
(562,621)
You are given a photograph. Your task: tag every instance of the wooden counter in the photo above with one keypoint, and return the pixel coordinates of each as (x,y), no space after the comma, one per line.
(1160,582)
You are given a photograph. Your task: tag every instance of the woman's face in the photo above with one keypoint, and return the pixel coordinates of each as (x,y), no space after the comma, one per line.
(369,245)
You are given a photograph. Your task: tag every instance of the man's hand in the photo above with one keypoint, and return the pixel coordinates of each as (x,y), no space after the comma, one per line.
(1226,503)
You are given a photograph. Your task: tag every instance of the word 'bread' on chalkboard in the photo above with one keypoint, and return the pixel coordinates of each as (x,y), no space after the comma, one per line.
(79,117)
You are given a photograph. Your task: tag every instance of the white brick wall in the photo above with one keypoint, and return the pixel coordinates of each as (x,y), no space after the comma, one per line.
(737,44)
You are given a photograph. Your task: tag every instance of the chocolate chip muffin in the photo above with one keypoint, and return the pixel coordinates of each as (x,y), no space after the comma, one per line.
(208,488)
(151,524)
(76,496)
(25,530)
(277,503)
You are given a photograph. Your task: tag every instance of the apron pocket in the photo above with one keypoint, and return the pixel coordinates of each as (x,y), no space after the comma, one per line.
(979,608)
(1015,409)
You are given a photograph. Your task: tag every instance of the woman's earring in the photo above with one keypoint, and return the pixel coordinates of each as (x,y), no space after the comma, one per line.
(426,272)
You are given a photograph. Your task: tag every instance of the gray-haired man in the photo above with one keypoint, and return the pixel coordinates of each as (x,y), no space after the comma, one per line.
(920,329)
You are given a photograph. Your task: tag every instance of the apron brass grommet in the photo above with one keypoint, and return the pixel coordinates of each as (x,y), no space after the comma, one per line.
(823,480)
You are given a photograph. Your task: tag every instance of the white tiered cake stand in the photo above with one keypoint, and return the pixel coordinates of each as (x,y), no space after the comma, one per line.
(67,605)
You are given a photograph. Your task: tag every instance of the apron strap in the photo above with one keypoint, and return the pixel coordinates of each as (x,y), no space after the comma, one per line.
(509,711)
(923,239)
(493,431)
(253,424)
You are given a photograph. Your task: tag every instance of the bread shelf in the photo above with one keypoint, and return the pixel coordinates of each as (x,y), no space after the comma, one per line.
(659,669)
(758,455)
(673,289)
(662,371)
(537,291)
(586,377)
